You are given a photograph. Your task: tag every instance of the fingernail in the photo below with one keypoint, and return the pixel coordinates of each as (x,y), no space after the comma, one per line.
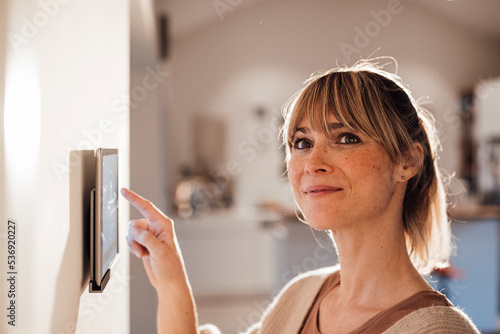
(133,231)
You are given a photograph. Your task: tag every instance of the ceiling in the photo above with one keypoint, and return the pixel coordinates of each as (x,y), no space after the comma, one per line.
(189,15)
(481,16)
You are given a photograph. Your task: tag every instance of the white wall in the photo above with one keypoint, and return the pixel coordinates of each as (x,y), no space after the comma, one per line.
(258,57)
(65,83)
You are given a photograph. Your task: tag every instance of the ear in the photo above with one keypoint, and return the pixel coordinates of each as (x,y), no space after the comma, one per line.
(412,161)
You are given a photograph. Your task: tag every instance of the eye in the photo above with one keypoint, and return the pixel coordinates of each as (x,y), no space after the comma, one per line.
(348,138)
(301,143)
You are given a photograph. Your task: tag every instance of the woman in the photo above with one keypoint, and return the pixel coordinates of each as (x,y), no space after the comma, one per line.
(361,159)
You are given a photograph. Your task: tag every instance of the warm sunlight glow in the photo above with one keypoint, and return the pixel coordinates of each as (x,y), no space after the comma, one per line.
(22,119)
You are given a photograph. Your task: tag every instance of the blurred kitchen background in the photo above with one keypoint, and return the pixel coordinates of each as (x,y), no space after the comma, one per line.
(208,79)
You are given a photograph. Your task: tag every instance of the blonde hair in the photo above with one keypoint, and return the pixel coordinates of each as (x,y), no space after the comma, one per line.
(368,99)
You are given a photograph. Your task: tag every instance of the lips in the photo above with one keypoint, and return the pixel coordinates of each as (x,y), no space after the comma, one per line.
(321,190)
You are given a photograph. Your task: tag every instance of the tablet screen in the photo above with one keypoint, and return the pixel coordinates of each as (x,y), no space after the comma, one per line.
(109,195)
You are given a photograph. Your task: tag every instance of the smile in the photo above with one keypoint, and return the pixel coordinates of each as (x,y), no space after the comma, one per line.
(321,190)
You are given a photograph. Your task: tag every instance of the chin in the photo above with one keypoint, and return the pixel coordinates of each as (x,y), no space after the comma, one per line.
(328,220)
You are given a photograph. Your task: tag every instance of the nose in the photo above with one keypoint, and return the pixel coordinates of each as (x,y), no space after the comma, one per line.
(319,160)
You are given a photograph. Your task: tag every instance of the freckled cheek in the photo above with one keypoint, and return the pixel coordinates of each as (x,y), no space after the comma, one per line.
(359,168)
(294,174)
(381,170)
(367,173)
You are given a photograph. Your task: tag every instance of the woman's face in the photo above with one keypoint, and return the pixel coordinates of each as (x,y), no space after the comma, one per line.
(342,180)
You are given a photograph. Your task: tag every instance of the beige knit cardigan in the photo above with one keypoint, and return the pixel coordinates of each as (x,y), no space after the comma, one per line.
(288,310)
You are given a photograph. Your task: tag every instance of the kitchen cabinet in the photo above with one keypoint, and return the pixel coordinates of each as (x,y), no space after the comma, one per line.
(227,255)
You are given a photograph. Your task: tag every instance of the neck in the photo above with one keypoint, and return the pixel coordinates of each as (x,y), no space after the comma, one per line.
(374,262)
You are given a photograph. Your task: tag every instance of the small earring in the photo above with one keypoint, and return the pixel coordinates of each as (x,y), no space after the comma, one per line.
(403,177)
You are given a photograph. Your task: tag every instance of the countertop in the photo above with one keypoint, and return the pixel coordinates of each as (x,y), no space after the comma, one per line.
(475,212)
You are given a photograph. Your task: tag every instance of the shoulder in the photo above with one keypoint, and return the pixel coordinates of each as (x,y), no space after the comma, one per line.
(434,320)
(305,286)
(290,306)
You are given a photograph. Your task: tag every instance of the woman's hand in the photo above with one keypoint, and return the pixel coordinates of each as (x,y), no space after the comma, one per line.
(153,239)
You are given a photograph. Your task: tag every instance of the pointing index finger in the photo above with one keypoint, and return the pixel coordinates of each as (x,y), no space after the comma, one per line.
(147,208)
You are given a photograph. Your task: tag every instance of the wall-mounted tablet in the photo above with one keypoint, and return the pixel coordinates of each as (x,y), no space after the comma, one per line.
(104,225)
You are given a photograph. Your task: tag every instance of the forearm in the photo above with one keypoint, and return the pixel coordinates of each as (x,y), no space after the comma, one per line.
(176,311)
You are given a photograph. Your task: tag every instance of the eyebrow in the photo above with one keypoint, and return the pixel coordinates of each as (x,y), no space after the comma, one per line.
(331,127)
